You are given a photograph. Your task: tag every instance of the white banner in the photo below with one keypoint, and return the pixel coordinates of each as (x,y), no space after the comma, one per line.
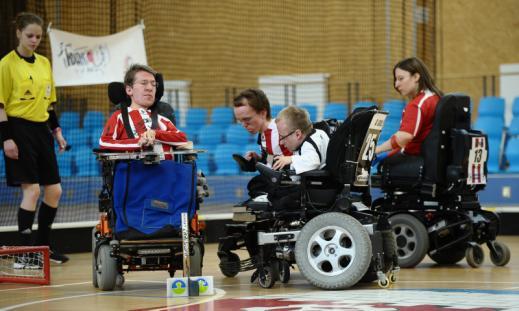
(85,60)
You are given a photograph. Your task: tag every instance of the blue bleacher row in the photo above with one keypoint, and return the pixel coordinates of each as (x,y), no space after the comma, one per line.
(221,136)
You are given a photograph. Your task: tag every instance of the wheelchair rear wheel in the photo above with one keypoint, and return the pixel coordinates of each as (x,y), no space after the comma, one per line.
(333,251)
(107,268)
(230,264)
(195,260)
(449,256)
(411,237)
(94,270)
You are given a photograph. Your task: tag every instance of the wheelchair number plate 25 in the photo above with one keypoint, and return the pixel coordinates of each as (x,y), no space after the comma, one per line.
(367,150)
(476,162)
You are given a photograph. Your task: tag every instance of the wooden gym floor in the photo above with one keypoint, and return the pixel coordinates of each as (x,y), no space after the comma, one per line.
(426,287)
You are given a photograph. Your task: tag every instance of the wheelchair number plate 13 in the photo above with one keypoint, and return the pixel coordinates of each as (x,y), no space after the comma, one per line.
(476,162)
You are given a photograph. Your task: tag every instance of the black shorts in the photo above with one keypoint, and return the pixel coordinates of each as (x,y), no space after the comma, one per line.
(36,162)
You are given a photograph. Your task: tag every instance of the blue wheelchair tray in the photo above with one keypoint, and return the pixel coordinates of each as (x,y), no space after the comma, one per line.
(148,199)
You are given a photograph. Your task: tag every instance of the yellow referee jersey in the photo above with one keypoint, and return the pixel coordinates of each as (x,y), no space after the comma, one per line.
(26,89)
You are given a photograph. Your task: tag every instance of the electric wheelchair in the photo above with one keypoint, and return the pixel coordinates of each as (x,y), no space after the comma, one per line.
(143,207)
(432,199)
(333,237)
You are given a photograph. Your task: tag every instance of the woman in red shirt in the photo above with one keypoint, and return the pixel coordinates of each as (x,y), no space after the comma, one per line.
(412,80)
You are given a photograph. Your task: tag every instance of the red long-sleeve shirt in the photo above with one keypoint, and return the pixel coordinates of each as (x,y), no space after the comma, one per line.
(114,135)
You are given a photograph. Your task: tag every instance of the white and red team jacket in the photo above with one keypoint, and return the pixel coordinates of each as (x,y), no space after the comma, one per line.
(114,135)
(269,142)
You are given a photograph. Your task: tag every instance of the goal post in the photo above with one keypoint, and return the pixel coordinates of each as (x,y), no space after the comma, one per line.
(25,264)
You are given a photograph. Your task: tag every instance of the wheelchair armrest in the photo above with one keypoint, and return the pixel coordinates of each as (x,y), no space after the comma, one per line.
(273,176)
(315,173)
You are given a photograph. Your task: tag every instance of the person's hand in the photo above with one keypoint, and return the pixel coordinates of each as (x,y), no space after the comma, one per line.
(281,161)
(251,155)
(62,143)
(11,149)
(147,138)
(150,135)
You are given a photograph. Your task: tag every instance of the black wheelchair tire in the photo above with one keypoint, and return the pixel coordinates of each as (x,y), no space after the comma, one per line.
(449,256)
(227,271)
(196,259)
(94,270)
(411,237)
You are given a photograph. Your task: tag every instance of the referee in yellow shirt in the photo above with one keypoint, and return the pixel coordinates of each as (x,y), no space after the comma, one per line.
(27,126)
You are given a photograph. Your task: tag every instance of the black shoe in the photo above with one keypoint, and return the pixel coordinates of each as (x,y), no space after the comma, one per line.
(30,261)
(56,257)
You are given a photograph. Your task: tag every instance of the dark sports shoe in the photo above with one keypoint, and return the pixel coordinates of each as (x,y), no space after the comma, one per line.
(29,261)
(56,257)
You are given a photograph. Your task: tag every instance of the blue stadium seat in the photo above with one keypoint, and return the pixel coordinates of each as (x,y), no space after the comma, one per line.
(337,111)
(210,135)
(64,163)
(225,164)
(312,110)
(196,118)
(494,155)
(77,137)
(515,107)
(490,125)
(512,155)
(205,160)
(275,109)
(513,129)
(237,134)
(191,133)
(491,106)
(86,162)
(94,120)
(394,107)
(69,120)
(95,134)
(222,116)
(251,147)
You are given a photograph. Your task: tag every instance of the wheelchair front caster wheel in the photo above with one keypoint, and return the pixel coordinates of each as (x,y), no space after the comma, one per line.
(384,283)
(474,255)
(266,278)
(284,272)
(392,277)
(119,280)
(501,256)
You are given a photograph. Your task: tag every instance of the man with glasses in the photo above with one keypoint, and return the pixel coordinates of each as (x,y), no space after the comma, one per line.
(252,110)
(140,87)
(308,145)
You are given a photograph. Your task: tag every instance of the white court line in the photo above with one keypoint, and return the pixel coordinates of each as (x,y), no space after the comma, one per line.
(43,286)
(219,294)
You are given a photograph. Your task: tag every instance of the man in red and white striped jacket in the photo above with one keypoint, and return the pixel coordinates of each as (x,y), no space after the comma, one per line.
(140,86)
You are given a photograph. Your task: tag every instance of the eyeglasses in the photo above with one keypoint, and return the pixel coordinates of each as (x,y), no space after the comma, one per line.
(146,82)
(284,137)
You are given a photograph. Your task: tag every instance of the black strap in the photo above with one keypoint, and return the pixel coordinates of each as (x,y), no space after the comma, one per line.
(154,117)
(312,142)
(126,120)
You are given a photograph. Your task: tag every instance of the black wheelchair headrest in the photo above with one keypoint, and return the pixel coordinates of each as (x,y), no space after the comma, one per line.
(117,91)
